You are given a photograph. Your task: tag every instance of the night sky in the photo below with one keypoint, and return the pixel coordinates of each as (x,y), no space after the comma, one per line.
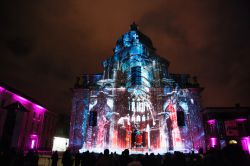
(45,44)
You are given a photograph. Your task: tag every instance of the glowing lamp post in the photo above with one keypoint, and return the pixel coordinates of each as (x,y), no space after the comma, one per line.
(148,130)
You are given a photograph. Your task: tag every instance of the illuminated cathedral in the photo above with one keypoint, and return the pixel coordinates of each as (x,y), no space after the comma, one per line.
(136,103)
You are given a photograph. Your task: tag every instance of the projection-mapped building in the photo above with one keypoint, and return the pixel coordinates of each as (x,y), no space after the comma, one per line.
(136,103)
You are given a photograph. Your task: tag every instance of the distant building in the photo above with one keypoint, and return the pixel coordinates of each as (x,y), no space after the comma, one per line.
(61,136)
(227,125)
(136,103)
(22,121)
(49,129)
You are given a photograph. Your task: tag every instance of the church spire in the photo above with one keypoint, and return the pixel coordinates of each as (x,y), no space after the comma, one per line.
(133,27)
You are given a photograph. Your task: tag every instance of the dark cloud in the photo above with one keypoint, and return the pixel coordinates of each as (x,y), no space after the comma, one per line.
(212,43)
(49,67)
(163,23)
(45,44)
(19,47)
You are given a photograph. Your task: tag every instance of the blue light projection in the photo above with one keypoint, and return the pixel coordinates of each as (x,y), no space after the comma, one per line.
(136,103)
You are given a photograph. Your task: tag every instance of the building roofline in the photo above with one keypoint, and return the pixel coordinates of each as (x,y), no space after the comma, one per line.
(211,110)
(240,107)
(91,74)
(17,92)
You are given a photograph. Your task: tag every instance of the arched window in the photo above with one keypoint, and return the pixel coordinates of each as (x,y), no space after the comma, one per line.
(138,118)
(133,106)
(143,107)
(143,118)
(133,118)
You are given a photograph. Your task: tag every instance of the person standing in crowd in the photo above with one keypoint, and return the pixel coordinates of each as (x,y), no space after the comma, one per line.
(36,158)
(105,160)
(67,159)
(77,159)
(54,158)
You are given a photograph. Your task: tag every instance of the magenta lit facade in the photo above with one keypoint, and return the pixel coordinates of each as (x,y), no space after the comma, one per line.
(20,125)
(227,125)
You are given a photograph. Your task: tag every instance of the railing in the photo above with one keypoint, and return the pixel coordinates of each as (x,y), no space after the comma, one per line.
(45,160)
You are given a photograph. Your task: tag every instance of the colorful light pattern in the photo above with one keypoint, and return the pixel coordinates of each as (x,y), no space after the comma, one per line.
(213,141)
(33,141)
(32,144)
(136,104)
(211,121)
(241,120)
(245,141)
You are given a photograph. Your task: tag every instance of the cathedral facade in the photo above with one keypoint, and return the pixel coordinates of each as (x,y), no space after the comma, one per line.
(136,103)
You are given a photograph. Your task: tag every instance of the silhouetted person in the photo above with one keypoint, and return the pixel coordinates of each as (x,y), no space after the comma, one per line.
(36,158)
(151,160)
(85,158)
(105,160)
(2,156)
(125,158)
(30,158)
(213,157)
(179,158)
(168,160)
(234,155)
(88,159)
(19,160)
(158,160)
(54,158)
(92,160)
(77,159)
(67,158)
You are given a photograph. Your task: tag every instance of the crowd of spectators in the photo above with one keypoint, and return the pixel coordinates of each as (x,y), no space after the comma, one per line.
(14,157)
(231,155)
